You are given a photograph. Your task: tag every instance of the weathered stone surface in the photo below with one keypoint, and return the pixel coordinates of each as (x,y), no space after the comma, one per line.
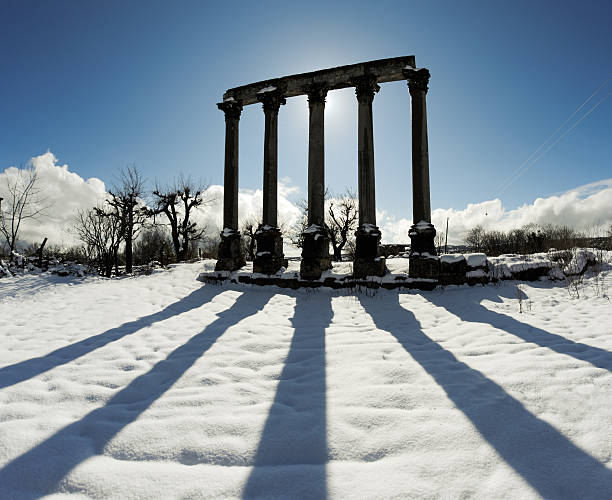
(384,70)
(231,257)
(422,236)
(368,261)
(452,272)
(315,254)
(336,283)
(417,85)
(269,256)
(424,267)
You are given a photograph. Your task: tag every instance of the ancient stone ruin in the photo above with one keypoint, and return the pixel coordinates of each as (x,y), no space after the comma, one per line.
(365,78)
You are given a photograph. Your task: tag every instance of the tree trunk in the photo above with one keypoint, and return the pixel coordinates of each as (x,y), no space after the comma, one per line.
(40,253)
(128,253)
(128,243)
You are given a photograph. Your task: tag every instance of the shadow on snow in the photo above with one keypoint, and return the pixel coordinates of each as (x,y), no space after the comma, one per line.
(292,452)
(42,468)
(30,368)
(545,458)
(474,312)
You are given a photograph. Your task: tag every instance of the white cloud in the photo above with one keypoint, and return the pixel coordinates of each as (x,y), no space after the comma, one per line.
(583,207)
(250,206)
(64,192)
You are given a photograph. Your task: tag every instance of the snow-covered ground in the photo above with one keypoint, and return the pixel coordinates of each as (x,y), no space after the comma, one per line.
(161,387)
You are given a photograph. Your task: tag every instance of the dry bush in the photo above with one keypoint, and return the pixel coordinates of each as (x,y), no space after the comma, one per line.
(528,239)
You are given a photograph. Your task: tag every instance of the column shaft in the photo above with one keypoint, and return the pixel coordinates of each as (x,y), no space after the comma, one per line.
(421,208)
(365,89)
(271,104)
(367,237)
(230,177)
(316,157)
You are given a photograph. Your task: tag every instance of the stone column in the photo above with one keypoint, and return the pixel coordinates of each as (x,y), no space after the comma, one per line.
(230,254)
(315,249)
(423,261)
(367,259)
(269,256)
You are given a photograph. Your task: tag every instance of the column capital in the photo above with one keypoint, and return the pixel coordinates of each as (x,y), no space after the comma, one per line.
(317,92)
(365,87)
(232,109)
(271,98)
(417,79)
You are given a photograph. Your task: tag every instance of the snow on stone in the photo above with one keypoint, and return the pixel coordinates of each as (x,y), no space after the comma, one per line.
(476,259)
(368,228)
(451,258)
(161,387)
(313,228)
(267,89)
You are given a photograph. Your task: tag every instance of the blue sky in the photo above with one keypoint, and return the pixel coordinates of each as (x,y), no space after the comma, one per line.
(106,84)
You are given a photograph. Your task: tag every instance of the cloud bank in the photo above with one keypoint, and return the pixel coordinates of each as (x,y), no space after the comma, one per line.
(582,208)
(66,192)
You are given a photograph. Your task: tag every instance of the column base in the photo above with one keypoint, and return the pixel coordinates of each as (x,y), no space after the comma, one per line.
(423,260)
(422,239)
(269,256)
(230,256)
(427,267)
(368,261)
(315,253)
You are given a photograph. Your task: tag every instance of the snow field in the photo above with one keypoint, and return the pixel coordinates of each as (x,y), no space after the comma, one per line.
(159,387)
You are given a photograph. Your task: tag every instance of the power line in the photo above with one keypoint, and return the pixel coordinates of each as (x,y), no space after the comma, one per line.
(562,136)
(526,164)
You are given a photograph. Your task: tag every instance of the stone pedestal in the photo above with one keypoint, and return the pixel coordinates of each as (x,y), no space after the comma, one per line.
(422,239)
(427,267)
(368,261)
(269,257)
(315,253)
(423,260)
(231,257)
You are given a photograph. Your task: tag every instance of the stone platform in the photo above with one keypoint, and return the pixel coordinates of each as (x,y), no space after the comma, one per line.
(450,269)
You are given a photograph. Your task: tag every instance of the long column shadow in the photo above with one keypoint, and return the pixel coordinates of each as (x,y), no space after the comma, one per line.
(545,458)
(39,471)
(30,368)
(475,312)
(292,452)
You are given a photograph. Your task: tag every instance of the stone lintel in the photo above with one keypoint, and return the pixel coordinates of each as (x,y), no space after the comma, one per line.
(384,70)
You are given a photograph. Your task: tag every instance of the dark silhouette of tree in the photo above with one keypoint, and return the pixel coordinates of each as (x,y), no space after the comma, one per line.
(248,228)
(341,221)
(22,201)
(153,244)
(126,201)
(341,217)
(101,231)
(177,202)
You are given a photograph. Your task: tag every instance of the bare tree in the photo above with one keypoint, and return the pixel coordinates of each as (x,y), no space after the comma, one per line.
(153,244)
(248,228)
(341,220)
(126,201)
(296,234)
(341,217)
(101,232)
(177,203)
(22,202)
